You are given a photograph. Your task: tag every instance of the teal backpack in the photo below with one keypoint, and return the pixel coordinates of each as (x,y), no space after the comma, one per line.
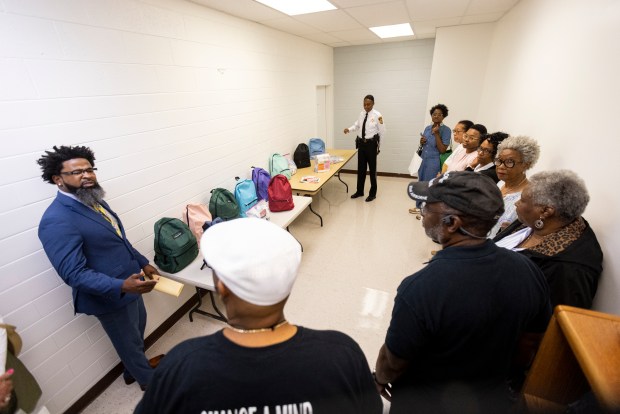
(278,164)
(245,194)
(223,204)
(175,245)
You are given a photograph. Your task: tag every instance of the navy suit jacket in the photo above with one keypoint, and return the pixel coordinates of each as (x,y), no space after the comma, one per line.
(88,255)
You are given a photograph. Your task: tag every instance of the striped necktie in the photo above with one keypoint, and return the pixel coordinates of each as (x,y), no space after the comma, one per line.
(99,208)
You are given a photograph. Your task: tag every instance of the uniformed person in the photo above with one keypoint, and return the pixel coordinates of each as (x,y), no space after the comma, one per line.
(370,123)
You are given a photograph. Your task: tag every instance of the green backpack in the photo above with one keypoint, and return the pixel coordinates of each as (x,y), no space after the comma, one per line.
(175,245)
(223,204)
(278,164)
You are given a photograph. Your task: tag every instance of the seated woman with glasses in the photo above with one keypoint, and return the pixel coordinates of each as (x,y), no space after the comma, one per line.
(470,141)
(484,162)
(552,233)
(515,155)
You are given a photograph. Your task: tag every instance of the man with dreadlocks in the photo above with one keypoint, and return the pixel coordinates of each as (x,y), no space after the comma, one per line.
(86,243)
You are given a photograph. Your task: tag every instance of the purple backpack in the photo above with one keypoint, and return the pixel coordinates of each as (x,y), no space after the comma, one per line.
(261,179)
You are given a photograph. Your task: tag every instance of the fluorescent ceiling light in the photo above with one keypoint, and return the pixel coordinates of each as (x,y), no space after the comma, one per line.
(395,30)
(295,7)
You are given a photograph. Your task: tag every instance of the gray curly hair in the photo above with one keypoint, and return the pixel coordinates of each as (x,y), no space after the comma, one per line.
(526,146)
(561,189)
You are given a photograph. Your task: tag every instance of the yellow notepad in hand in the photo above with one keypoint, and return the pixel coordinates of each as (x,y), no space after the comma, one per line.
(169,286)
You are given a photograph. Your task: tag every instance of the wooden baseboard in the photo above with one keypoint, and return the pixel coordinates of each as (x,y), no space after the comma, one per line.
(382,174)
(110,377)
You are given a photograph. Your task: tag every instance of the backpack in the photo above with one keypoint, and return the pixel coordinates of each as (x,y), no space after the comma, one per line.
(316,146)
(223,204)
(292,166)
(278,164)
(261,179)
(245,194)
(301,156)
(175,245)
(196,215)
(280,194)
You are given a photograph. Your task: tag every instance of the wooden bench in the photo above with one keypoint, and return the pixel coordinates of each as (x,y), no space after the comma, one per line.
(580,352)
(201,277)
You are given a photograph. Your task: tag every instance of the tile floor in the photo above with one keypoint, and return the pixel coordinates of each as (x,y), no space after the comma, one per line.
(350,270)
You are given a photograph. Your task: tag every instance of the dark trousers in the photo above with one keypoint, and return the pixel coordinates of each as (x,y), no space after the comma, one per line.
(125,328)
(367,158)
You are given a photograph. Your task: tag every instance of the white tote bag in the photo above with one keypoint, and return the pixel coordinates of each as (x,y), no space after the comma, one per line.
(414,165)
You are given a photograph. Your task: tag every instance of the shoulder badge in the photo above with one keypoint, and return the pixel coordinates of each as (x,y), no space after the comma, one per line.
(381,120)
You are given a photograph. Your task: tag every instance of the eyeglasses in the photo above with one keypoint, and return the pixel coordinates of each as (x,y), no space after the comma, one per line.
(80,172)
(470,137)
(485,151)
(508,163)
(456,131)
(424,209)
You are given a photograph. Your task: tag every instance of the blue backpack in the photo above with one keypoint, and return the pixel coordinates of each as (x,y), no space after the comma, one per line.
(278,164)
(317,146)
(245,194)
(261,179)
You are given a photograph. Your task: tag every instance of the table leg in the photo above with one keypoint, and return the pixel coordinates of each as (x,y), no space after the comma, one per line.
(316,214)
(220,316)
(345,184)
(302,246)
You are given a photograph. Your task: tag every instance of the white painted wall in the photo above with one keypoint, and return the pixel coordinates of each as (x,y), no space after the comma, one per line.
(459,71)
(174,98)
(397,75)
(552,74)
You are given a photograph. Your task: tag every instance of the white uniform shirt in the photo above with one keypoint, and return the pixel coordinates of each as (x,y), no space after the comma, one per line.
(374,124)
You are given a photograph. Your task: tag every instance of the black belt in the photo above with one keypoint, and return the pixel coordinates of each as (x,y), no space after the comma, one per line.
(365,140)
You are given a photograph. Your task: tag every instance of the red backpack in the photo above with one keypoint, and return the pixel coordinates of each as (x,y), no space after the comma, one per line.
(280,194)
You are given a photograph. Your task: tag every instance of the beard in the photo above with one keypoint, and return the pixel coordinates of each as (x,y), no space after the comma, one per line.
(434,232)
(89,196)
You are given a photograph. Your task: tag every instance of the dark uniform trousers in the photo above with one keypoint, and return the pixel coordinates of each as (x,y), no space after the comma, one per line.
(367,158)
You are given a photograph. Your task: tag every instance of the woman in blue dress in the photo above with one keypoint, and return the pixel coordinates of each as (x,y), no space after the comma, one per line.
(434,140)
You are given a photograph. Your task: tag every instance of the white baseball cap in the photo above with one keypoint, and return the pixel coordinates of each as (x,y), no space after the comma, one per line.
(256,259)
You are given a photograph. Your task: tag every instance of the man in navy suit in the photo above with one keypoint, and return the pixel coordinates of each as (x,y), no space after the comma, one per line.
(86,243)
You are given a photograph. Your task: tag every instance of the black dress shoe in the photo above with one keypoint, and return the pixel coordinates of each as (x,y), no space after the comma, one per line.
(129,380)
(356,195)
(370,198)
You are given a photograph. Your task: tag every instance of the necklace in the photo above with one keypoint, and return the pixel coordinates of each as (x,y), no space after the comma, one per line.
(507,190)
(532,240)
(251,331)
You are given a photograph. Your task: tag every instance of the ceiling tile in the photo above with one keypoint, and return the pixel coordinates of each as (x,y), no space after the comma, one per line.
(329,21)
(430,26)
(290,25)
(323,38)
(384,14)
(490,6)
(246,9)
(343,4)
(355,35)
(433,9)
(482,18)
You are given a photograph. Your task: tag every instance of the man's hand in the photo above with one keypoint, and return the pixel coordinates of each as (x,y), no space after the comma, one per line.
(151,272)
(384,390)
(6,387)
(135,284)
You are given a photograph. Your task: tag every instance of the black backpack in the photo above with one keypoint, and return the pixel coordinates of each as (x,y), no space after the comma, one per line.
(175,245)
(302,156)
